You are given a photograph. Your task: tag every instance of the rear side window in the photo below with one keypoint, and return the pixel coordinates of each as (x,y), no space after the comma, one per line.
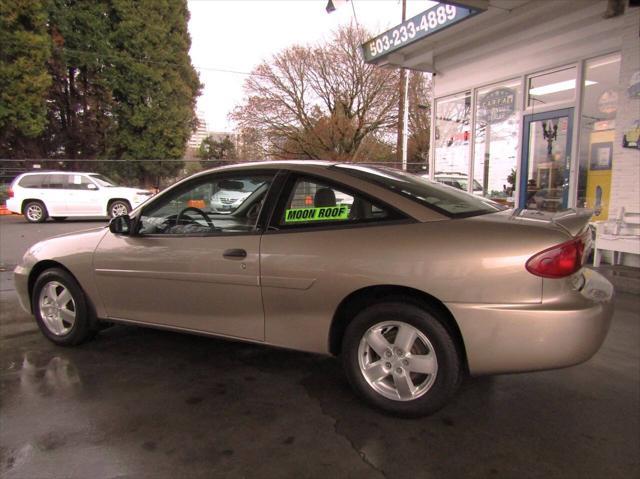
(314,202)
(56,182)
(31,181)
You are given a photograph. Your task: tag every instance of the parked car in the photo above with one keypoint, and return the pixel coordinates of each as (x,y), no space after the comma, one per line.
(231,195)
(63,194)
(413,283)
(457,180)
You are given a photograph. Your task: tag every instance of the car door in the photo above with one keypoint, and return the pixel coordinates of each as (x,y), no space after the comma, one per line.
(314,254)
(84,196)
(187,267)
(54,194)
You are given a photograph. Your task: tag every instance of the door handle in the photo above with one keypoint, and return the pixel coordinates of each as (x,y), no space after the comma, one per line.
(235,254)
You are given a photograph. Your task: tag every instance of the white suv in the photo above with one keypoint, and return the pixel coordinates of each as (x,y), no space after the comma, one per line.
(62,194)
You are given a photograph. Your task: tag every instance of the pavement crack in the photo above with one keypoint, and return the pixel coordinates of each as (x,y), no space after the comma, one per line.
(324,412)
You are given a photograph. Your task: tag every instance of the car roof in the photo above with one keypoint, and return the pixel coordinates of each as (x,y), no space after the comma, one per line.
(270,164)
(58,172)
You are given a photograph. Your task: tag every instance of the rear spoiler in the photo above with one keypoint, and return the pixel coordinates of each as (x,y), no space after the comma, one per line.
(574,221)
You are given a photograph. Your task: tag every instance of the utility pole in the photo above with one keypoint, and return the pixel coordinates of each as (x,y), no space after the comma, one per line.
(403,109)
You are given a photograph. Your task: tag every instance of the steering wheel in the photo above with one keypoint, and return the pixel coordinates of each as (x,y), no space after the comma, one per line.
(195,210)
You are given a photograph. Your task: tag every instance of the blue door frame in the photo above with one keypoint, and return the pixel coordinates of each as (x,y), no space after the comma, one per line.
(524,164)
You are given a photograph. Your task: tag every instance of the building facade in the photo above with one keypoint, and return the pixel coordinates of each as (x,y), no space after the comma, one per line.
(538,102)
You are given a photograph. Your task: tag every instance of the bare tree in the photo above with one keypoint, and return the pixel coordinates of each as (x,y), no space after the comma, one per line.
(320,102)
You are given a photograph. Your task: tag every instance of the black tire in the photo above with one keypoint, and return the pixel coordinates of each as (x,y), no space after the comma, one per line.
(437,388)
(82,327)
(59,218)
(118,205)
(35,212)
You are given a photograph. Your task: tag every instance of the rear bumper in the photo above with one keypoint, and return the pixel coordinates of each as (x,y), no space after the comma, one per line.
(530,337)
(13,205)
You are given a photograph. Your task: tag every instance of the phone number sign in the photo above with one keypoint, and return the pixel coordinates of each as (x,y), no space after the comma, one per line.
(422,25)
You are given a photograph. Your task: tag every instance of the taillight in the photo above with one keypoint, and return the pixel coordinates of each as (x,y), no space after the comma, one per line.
(10,192)
(559,261)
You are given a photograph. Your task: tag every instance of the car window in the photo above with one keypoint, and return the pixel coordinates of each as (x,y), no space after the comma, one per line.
(31,181)
(313,202)
(103,180)
(56,182)
(444,199)
(77,182)
(214,204)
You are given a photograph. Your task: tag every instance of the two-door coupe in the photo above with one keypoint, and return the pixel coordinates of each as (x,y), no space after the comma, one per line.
(412,282)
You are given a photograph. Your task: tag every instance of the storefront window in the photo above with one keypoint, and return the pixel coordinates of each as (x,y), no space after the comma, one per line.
(452,137)
(552,88)
(597,133)
(498,109)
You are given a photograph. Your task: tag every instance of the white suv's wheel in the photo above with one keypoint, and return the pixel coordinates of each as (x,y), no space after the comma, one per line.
(35,212)
(118,208)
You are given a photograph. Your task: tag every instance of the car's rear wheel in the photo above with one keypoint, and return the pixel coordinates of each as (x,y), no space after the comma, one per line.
(118,208)
(60,308)
(35,212)
(401,359)
(59,218)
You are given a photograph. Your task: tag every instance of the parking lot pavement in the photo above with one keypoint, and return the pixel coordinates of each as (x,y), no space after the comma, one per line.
(143,403)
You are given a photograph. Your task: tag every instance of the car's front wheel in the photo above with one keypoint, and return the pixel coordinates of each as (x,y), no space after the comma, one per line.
(118,208)
(60,308)
(401,359)
(35,212)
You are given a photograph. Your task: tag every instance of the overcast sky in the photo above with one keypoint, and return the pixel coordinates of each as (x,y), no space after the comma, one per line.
(236,35)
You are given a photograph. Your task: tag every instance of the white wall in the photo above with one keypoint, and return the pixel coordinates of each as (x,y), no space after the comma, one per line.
(625,174)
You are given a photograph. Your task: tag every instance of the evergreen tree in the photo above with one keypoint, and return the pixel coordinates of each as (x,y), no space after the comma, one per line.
(80,111)
(214,152)
(153,83)
(96,80)
(24,80)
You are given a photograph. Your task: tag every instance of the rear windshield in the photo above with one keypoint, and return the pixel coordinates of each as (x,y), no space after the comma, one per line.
(444,199)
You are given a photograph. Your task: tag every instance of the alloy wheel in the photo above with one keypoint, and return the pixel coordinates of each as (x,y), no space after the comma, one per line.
(118,209)
(397,360)
(57,308)
(34,212)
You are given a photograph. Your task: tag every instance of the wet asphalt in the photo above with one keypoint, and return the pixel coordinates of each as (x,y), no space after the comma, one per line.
(143,403)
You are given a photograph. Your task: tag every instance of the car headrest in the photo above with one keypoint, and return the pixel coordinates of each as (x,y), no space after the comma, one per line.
(324,197)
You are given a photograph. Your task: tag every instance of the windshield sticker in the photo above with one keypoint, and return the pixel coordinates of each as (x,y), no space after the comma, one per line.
(322,213)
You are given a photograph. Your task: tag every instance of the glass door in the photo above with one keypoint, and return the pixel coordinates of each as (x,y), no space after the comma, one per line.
(546,157)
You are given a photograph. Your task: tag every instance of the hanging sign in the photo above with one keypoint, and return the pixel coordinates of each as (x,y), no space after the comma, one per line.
(608,102)
(424,24)
(497,105)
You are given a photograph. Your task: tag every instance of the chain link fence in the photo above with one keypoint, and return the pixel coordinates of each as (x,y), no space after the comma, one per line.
(11,168)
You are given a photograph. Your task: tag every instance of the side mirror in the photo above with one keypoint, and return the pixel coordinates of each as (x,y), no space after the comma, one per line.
(120,225)
(91,186)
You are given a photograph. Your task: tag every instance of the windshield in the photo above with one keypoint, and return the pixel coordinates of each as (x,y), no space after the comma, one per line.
(443,199)
(103,181)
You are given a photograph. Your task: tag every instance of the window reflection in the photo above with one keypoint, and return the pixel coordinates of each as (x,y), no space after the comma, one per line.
(452,135)
(498,109)
(597,133)
(552,88)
